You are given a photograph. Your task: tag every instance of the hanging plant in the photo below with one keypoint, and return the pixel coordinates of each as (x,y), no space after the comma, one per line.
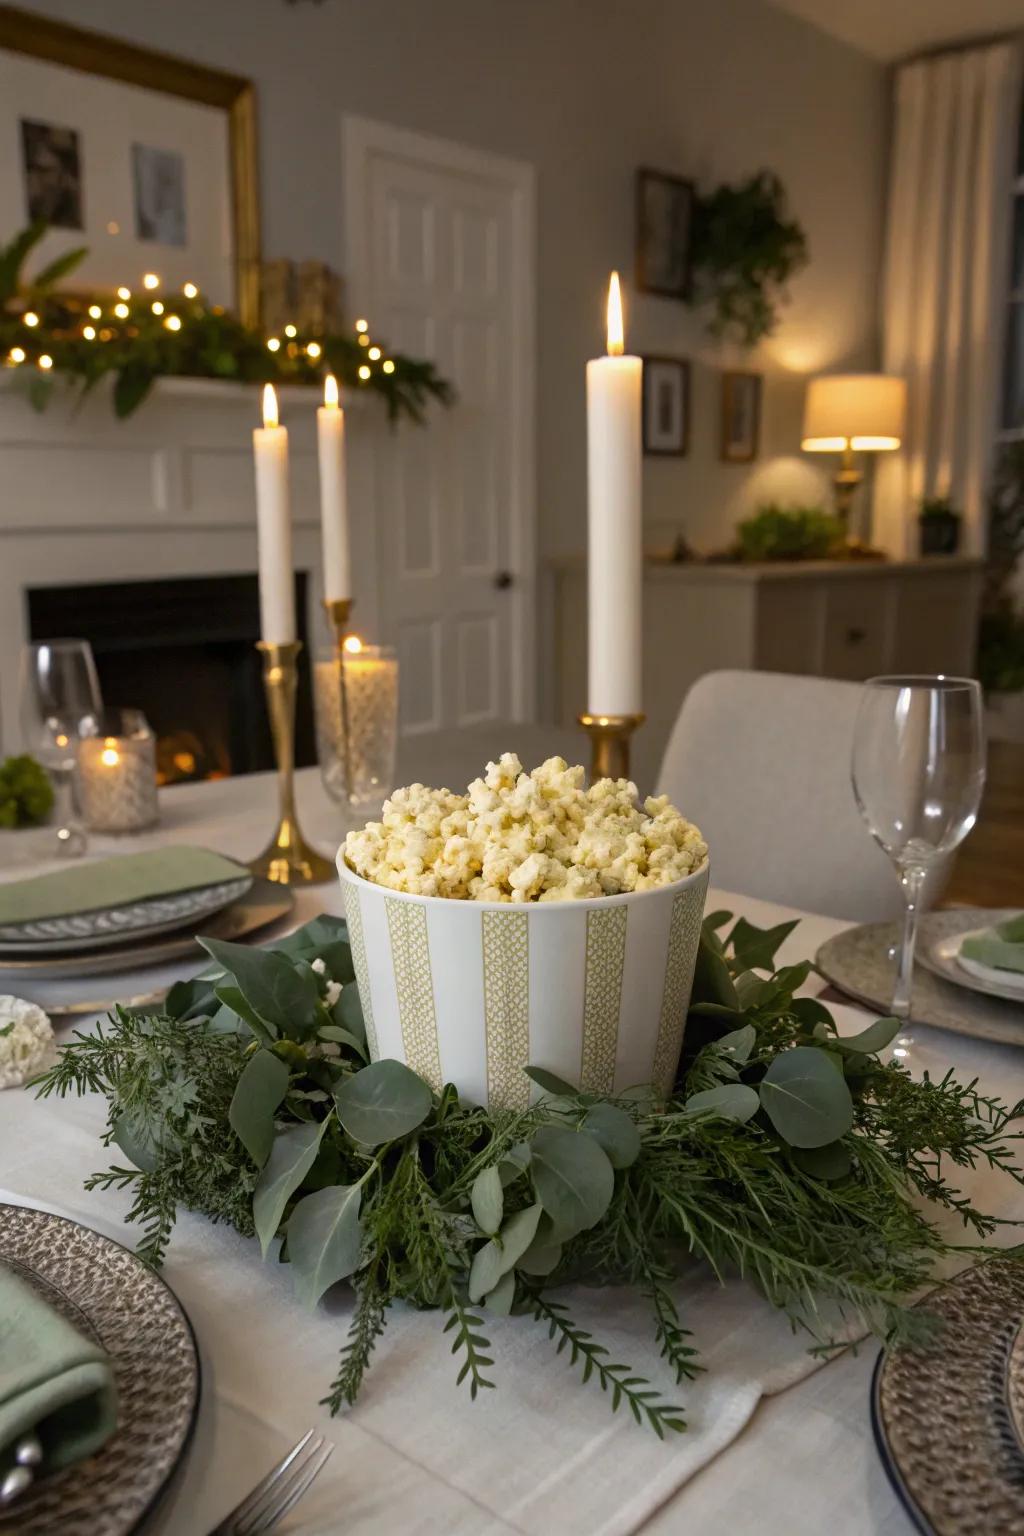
(137,338)
(744,250)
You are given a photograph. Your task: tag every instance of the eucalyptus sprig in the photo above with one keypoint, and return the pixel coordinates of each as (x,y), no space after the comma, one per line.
(787,1154)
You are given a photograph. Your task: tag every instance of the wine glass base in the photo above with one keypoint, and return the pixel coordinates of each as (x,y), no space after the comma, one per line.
(71,842)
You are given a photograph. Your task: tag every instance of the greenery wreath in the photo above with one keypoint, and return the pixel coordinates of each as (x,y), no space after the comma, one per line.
(787,1154)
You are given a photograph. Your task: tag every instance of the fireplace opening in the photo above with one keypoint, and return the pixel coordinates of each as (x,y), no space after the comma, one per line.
(183,651)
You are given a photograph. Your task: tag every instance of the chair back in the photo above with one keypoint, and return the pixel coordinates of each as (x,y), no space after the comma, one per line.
(761,762)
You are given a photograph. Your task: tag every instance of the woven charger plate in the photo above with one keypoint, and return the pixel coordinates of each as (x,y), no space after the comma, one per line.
(862,963)
(111,1297)
(947,1419)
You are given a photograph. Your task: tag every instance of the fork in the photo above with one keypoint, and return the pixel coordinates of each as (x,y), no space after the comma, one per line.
(283,1487)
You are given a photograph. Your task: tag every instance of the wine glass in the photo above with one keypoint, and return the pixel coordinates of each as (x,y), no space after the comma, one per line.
(60,701)
(918,772)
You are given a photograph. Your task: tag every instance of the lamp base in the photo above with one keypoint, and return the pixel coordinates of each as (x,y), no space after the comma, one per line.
(609,743)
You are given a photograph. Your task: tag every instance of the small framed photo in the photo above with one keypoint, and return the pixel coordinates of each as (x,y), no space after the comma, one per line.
(52,169)
(664,216)
(666,411)
(741,417)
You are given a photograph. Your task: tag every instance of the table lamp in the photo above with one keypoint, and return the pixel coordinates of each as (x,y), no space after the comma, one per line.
(852,413)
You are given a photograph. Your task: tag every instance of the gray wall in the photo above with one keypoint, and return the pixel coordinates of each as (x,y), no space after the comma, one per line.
(585,90)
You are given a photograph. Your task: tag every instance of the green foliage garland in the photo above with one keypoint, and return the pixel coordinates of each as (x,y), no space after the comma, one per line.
(138,346)
(26,794)
(787,1154)
(745,248)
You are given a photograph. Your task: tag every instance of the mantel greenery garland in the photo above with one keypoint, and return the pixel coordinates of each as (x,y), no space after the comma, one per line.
(787,1154)
(138,337)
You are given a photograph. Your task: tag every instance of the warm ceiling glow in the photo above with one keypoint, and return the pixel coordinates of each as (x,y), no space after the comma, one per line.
(273,345)
(364,372)
(30,318)
(173,322)
(151,280)
(270,417)
(362,325)
(157,307)
(95,311)
(110,756)
(314,349)
(616,340)
(331,390)
(290,330)
(190,291)
(124,293)
(352,644)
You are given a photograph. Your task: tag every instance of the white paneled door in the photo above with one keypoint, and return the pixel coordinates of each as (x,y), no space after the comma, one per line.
(440,243)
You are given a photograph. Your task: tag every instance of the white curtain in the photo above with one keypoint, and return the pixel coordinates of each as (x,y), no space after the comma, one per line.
(947,257)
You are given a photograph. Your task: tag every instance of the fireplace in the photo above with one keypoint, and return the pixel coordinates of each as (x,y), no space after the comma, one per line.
(182,651)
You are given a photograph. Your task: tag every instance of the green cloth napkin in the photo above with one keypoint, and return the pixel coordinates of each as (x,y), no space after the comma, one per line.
(114,882)
(53,1381)
(1001,948)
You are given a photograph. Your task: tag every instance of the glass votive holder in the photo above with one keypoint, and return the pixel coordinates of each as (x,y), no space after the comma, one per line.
(355,697)
(117,773)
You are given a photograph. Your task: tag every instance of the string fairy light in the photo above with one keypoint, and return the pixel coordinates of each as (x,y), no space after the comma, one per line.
(89,332)
(30,318)
(364,373)
(17,354)
(150,280)
(364,340)
(45,361)
(388,365)
(121,311)
(373,354)
(173,322)
(157,307)
(291,330)
(314,349)
(190,291)
(94,311)
(362,325)
(124,293)
(273,344)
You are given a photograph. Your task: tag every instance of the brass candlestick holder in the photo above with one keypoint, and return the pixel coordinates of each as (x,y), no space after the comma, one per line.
(287,859)
(339,611)
(609,743)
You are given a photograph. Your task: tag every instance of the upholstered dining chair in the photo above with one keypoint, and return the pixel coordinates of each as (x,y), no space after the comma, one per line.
(761,762)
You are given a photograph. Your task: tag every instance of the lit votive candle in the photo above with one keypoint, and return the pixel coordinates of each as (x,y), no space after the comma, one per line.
(361,770)
(117,774)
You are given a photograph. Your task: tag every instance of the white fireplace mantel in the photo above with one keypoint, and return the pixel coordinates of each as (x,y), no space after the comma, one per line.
(87,498)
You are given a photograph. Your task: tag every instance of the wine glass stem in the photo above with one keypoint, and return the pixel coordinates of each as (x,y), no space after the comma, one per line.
(71,838)
(912,881)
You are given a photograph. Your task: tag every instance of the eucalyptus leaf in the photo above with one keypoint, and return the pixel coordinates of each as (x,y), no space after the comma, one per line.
(258,1092)
(550,1083)
(502,1252)
(573,1178)
(136,1141)
(324,1239)
(731,1101)
(291,1157)
(499,1301)
(514,1162)
(811,1013)
(230,997)
(342,1037)
(270,984)
(488,1200)
(830,1162)
(615,1132)
(348,1012)
(805,1098)
(871,1040)
(738,1043)
(712,981)
(382,1102)
(194,999)
(544,1253)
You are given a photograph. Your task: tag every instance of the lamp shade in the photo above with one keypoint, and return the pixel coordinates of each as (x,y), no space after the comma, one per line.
(862,411)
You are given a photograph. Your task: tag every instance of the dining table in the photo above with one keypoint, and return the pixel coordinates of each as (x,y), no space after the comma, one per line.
(778,1441)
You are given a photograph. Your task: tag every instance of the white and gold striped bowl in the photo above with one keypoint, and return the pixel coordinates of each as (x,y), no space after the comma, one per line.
(470,992)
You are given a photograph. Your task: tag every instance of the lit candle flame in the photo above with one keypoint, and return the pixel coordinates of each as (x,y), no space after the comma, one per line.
(270,417)
(109,755)
(331,391)
(616,345)
(352,644)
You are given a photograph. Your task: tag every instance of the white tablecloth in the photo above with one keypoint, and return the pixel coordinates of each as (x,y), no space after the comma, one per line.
(775,1443)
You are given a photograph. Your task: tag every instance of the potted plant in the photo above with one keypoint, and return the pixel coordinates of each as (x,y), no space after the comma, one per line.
(940,526)
(789,533)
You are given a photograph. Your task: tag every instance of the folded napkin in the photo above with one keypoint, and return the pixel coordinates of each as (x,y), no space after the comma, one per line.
(53,1381)
(114,882)
(1000,948)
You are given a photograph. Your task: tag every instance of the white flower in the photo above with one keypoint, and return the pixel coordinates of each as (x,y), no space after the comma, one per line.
(333,993)
(25,1041)
(518,837)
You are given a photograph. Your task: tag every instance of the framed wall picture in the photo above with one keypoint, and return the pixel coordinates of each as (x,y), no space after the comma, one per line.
(664,216)
(666,405)
(146,159)
(741,417)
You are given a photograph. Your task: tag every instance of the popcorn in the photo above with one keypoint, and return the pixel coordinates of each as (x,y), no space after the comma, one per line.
(520,837)
(25,1041)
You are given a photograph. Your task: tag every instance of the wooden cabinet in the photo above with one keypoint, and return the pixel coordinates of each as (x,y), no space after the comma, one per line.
(826,619)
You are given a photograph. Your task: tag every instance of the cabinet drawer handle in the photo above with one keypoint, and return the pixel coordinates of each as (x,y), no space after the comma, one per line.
(855,636)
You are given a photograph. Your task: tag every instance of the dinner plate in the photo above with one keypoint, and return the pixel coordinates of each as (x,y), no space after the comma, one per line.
(861,961)
(112,925)
(122,1305)
(940,951)
(265,902)
(948,1419)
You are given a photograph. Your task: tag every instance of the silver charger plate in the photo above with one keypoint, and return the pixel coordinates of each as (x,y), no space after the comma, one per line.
(112,925)
(939,952)
(947,1419)
(265,902)
(862,963)
(113,1298)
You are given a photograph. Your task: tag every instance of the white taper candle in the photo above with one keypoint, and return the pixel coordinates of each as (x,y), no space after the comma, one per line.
(330,438)
(615,524)
(274,526)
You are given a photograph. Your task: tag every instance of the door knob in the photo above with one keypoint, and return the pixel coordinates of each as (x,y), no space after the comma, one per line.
(503,580)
